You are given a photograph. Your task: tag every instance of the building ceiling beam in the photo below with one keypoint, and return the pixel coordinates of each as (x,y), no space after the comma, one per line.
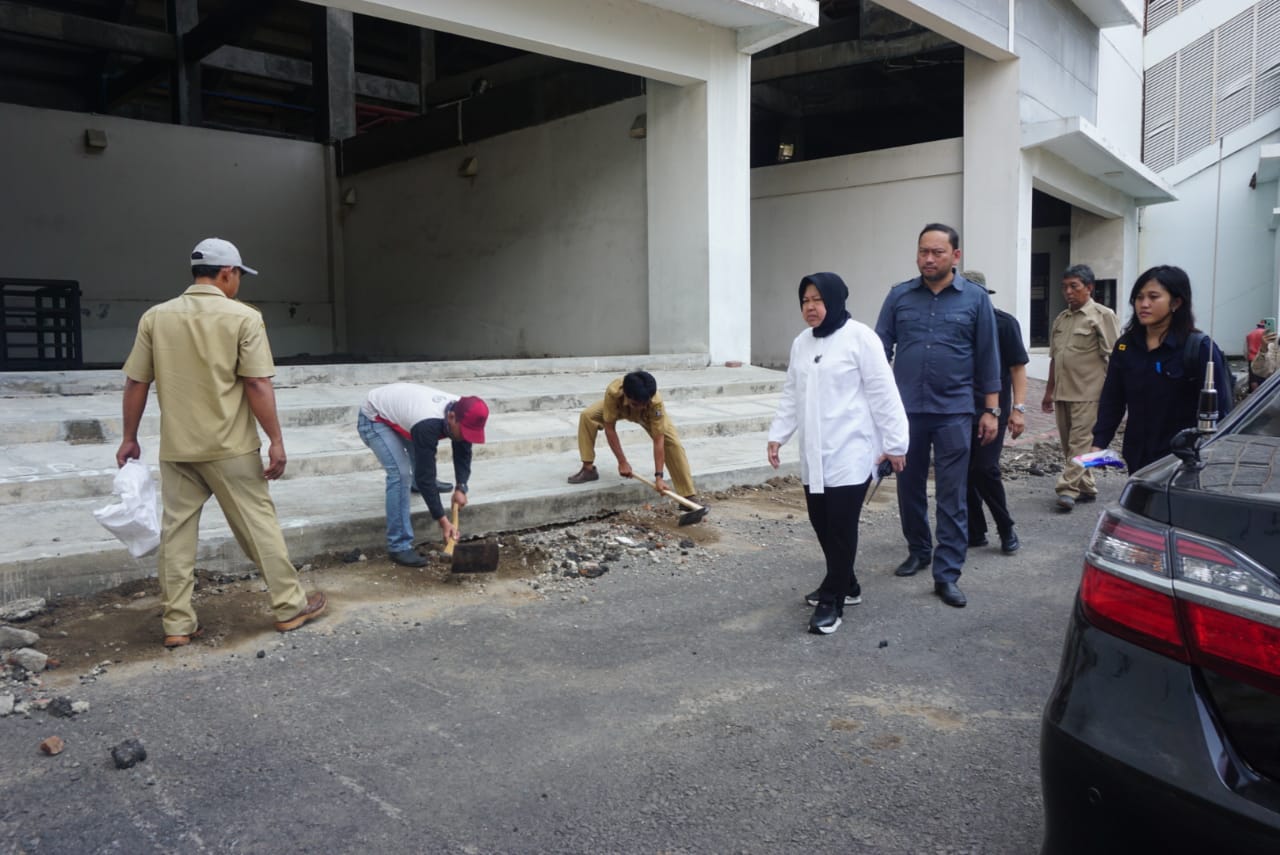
(844,54)
(531,102)
(237,17)
(298,71)
(81,31)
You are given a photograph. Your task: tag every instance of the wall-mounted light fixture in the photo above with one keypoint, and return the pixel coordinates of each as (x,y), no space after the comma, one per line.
(95,139)
(786,151)
(640,127)
(469,168)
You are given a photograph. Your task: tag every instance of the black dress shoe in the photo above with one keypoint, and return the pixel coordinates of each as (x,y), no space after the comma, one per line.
(950,593)
(1009,543)
(913,565)
(980,540)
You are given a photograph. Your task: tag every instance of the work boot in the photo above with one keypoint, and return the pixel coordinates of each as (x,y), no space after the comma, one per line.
(585,474)
(408,558)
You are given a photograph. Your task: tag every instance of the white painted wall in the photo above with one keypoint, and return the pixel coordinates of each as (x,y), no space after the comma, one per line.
(1120,87)
(1183,234)
(995,232)
(1057,47)
(858,216)
(123,221)
(544,253)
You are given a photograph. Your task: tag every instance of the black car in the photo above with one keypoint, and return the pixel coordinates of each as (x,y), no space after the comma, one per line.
(1163,730)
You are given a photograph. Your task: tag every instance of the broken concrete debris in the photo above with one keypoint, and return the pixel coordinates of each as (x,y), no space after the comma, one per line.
(128,754)
(20,610)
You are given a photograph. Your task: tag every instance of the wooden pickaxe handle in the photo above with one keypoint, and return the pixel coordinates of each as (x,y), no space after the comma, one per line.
(450,543)
(693,506)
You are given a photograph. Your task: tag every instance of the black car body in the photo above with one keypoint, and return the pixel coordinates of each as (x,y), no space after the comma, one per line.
(1162,733)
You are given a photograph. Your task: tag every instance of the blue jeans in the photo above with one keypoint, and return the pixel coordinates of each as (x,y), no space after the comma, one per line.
(395,453)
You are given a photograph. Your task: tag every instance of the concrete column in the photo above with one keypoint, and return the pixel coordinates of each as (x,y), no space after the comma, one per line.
(333,73)
(996,232)
(184,78)
(699,220)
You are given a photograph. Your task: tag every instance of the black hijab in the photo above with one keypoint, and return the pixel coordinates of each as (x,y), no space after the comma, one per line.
(834,292)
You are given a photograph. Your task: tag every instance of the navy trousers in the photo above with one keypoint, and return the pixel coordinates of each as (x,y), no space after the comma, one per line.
(834,515)
(947,437)
(985,485)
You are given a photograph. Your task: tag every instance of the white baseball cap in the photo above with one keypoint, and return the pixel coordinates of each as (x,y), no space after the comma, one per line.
(217,252)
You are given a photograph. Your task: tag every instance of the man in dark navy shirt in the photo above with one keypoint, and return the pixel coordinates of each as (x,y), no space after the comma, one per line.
(939,330)
(985,481)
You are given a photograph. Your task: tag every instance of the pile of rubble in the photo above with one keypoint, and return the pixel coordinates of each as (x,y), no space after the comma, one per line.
(566,559)
(21,667)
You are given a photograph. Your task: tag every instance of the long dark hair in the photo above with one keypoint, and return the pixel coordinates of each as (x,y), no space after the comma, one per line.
(1178,284)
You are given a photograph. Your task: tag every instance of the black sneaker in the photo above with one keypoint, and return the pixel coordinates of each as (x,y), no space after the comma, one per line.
(408,558)
(826,619)
(814,598)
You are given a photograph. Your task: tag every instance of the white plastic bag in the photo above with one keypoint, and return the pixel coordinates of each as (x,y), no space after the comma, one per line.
(135,519)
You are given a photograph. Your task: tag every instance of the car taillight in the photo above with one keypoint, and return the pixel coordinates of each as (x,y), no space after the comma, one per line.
(1129,610)
(1185,597)
(1220,634)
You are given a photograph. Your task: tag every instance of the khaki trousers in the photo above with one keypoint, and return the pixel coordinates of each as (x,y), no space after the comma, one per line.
(242,493)
(1075,428)
(591,422)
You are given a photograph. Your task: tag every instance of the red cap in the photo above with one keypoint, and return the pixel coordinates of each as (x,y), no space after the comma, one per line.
(472,413)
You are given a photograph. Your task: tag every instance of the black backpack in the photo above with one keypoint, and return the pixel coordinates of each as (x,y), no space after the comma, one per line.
(1192,368)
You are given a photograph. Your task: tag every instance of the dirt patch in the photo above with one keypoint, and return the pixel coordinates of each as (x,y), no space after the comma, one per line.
(122,625)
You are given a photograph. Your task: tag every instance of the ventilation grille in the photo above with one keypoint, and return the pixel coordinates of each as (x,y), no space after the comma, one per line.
(1219,83)
(1160,11)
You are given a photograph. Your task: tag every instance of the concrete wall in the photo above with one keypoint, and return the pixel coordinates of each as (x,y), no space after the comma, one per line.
(1100,243)
(1183,234)
(123,221)
(1058,53)
(543,253)
(1120,87)
(858,216)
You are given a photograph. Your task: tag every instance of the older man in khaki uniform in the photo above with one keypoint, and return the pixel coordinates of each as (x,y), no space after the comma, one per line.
(1080,345)
(634,398)
(209,357)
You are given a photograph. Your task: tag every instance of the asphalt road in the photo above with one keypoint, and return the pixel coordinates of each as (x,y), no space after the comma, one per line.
(679,709)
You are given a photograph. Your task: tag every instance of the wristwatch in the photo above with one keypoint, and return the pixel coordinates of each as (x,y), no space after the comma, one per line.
(657,474)
(1022,408)
(995,411)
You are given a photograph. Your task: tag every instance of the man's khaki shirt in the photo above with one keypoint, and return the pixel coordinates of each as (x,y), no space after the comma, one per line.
(1080,345)
(652,415)
(195,348)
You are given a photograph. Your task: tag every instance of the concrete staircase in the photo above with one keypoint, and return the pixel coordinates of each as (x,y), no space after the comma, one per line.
(60,431)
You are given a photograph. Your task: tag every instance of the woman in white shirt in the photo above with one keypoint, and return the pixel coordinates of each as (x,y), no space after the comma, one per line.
(840,396)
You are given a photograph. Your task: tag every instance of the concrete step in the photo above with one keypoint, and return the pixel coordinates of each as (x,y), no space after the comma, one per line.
(17,384)
(46,471)
(56,547)
(94,418)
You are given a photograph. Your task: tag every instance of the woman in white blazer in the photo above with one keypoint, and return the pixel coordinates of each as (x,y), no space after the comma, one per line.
(841,398)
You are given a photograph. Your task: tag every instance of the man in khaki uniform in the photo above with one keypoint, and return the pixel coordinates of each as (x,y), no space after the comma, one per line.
(1080,345)
(634,398)
(210,360)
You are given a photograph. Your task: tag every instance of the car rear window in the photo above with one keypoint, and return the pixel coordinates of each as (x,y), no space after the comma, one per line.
(1265,421)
